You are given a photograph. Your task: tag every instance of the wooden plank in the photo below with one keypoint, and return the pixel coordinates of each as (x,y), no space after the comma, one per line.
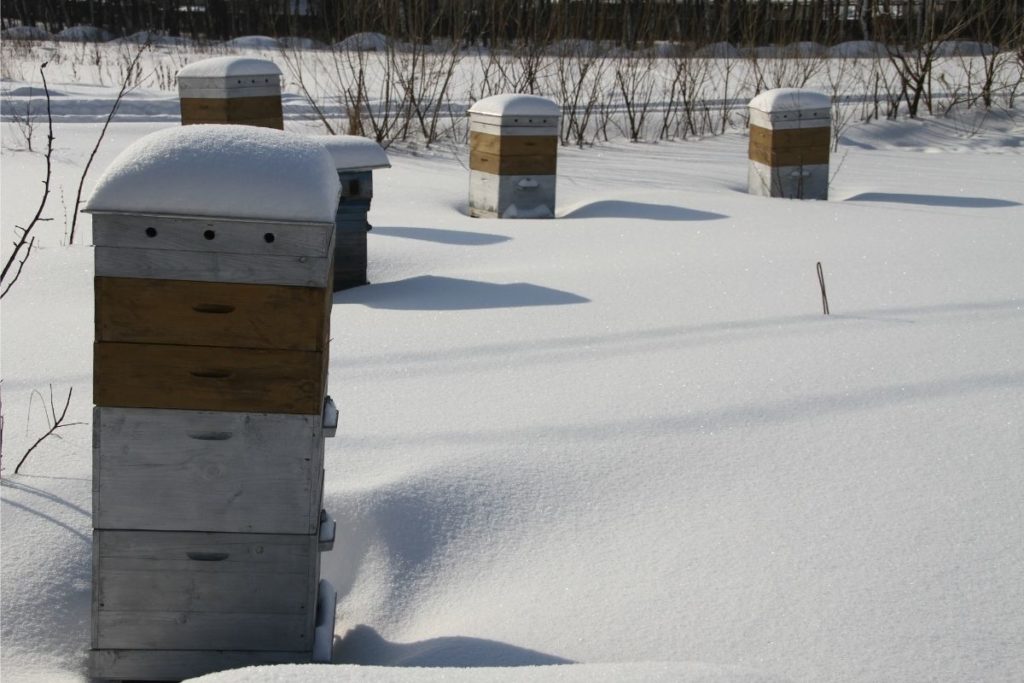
(238,110)
(790,139)
(166,264)
(210,314)
(208,378)
(191,470)
(795,156)
(527,145)
(220,235)
(174,590)
(550,128)
(177,665)
(536,164)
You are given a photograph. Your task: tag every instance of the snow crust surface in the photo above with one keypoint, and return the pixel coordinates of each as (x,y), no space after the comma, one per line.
(790,99)
(226,67)
(225,171)
(516,105)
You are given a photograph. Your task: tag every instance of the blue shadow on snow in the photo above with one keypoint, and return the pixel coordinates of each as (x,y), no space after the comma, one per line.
(933,200)
(363,645)
(617,208)
(434,293)
(459,237)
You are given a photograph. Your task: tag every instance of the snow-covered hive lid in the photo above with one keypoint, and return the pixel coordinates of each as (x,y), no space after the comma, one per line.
(790,99)
(223,171)
(515,111)
(354,153)
(230,67)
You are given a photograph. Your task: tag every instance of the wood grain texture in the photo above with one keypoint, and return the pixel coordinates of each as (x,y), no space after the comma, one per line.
(211,314)
(792,156)
(253,111)
(513,145)
(539,164)
(208,378)
(186,470)
(167,264)
(177,665)
(205,591)
(188,233)
(790,139)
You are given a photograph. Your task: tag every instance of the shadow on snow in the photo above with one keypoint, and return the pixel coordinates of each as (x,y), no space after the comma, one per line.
(617,208)
(434,293)
(933,200)
(458,237)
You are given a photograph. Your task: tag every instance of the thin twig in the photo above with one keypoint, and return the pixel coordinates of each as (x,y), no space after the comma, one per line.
(58,423)
(824,295)
(26,240)
(125,87)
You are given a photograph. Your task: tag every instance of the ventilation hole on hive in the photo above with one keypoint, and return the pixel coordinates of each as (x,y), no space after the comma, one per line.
(150,232)
(209,234)
(268,238)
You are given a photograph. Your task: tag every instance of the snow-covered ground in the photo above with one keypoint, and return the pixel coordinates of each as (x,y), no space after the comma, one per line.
(626,438)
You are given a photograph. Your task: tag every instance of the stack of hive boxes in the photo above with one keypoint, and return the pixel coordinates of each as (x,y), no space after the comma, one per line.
(239,90)
(355,159)
(513,155)
(210,371)
(790,136)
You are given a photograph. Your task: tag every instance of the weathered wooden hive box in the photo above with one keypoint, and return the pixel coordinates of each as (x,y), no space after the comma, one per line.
(240,90)
(790,136)
(513,154)
(355,159)
(214,257)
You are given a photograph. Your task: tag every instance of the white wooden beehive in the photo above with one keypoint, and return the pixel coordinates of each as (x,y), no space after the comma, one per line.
(790,138)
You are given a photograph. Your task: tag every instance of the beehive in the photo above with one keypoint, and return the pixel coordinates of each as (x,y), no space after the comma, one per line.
(513,153)
(214,258)
(355,159)
(790,135)
(240,90)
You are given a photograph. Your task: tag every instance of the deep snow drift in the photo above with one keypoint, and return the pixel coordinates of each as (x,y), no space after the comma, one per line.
(625,437)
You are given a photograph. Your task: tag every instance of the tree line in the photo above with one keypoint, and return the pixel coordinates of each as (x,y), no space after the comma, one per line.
(500,23)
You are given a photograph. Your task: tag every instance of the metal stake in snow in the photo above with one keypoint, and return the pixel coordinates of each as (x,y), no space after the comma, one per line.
(824,296)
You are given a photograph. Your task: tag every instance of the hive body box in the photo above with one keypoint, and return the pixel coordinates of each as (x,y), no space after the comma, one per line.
(238,90)
(790,136)
(513,152)
(355,159)
(210,373)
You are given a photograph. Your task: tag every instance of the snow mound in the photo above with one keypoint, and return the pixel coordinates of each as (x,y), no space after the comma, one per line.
(790,99)
(225,171)
(720,50)
(25,33)
(963,48)
(858,49)
(364,42)
(516,105)
(154,38)
(254,42)
(84,34)
(229,67)
(804,48)
(354,153)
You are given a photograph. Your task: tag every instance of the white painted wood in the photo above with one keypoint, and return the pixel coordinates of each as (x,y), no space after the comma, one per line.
(791,120)
(496,195)
(791,182)
(229,87)
(494,127)
(203,591)
(177,665)
(167,264)
(188,470)
(195,233)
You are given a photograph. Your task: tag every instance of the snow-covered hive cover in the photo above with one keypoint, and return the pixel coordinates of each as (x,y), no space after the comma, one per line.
(516,105)
(228,67)
(354,153)
(790,99)
(226,171)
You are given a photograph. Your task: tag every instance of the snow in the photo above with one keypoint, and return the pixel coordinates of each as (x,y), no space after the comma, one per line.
(229,67)
(366,42)
(25,33)
(858,49)
(619,444)
(721,50)
(354,153)
(516,105)
(805,48)
(790,99)
(254,42)
(224,171)
(84,34)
